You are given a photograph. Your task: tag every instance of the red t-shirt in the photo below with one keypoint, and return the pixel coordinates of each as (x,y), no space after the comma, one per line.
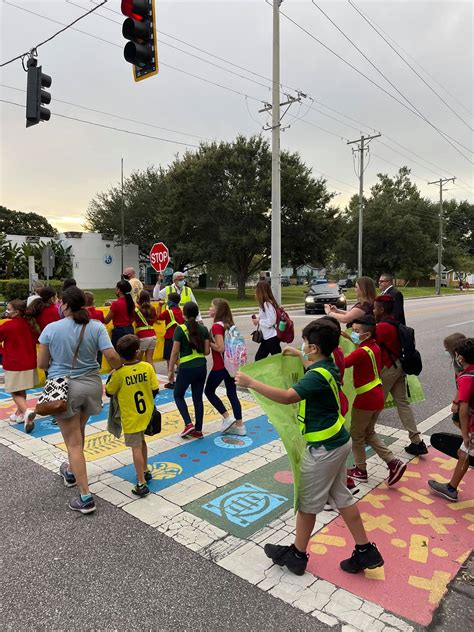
(19,345)
(96,314)
(217,359)
(49,314)
(338,354)
(120,317)
(465,384)
(146,333)
(387,338)
(363,373)
(165,316)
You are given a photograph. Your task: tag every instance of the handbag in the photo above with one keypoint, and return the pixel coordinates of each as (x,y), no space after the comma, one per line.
(53,399)
(154,425)
(257,336)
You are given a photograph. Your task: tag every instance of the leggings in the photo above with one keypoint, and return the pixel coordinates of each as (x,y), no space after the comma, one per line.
(120,332)
(268,347)
(194,377)
(213,381)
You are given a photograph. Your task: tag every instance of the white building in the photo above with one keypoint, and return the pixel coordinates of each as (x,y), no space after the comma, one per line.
(96,258)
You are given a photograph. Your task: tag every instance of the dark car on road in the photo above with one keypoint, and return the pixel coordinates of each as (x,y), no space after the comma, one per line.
(321,294)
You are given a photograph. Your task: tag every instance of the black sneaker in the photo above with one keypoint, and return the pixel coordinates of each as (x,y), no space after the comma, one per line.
(369,558)
(84,506)
(140,490)
(286,556)
(148,475)
(417,449)
(169,385)
(68,477)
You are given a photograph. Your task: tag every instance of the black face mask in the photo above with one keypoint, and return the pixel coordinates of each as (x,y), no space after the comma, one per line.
(125,277)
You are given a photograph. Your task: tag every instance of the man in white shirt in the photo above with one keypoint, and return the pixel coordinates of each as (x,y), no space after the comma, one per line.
(179,286)
(36,287)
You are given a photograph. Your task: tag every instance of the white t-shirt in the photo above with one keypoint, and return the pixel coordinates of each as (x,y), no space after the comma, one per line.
(267,318)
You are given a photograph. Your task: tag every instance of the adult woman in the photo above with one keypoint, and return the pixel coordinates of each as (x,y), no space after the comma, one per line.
(76,335)
(122,312)
(220,312)
(145,317)
(191,346)
(45,308)
(365,293)
(19,335)
(266,320)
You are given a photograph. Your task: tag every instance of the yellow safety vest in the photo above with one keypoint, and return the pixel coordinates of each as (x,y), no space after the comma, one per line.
(376,381)
(185,293)
(327,433)
(146,326)
(172,319)
(194,354)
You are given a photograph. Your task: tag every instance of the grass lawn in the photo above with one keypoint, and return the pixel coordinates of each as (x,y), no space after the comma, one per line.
(292,294)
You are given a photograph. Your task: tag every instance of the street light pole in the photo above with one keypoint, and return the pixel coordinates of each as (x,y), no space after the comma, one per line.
(276,183)
(440,182)
(122,217)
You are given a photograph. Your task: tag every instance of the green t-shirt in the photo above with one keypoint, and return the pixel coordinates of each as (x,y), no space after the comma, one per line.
(186,350)
(321,406)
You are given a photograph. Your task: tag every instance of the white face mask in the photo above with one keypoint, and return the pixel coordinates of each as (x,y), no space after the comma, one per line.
(180,283)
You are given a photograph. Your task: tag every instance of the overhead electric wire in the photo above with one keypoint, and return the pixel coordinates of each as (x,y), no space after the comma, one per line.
(363,16)
(66,26)
(414,108)
(324,130)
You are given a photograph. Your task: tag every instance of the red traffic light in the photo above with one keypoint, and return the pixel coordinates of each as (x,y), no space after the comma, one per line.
(135,9)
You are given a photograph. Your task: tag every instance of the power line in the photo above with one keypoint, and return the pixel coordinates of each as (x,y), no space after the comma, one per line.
(409,65)
(324,129)
(66,26)
(115,129)
(414,109)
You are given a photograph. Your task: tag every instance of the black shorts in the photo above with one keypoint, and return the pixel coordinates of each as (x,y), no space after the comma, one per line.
(167,349)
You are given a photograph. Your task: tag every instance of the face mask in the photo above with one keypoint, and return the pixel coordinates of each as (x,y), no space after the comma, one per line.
(447,353)
(181,283)
(458,365)
(171,304)
(355,337)
(305,355)
(8,312)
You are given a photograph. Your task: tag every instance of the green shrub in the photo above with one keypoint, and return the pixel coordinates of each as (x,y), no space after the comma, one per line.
(20,288)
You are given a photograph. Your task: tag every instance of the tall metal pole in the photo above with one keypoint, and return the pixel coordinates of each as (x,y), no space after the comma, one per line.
(439,274)
(122,217)
(276,192)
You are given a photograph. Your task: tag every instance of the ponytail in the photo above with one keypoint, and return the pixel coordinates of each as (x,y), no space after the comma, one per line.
(75,299)
(20,306)
(126,289)
(191,311)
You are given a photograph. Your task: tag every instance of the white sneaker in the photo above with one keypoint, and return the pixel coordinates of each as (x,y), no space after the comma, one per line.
(16,419)
(29,420)
(236,430)
(227,422)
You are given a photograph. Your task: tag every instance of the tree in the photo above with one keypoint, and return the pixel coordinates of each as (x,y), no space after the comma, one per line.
(459,234)
(20,223)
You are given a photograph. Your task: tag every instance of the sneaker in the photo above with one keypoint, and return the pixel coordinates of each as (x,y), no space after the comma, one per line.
(286,556)
(443,490)
(350,483)
(227,422)
(148,475)
(196,434)
(84,506)
(417,449)
(169,385)
(29,423)
(236,430)
(140,490)
(396,469)
(357,473)
(16,419)
(68,477)
(188,429)
(369,558)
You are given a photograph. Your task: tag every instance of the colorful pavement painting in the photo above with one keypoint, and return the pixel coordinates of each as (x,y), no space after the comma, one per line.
(423,538)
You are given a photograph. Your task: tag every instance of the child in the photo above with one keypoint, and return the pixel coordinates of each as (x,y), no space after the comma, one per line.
(145,317)
(220,312)
(191,346)
(366,362)
(172,316)
(450,343)
(323,470)
(464,355)
(136,387)
(94,313)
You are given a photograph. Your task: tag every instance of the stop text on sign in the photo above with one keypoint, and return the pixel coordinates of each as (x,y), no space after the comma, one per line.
(159,256)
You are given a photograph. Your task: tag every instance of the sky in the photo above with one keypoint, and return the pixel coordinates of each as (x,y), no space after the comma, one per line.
(56,168)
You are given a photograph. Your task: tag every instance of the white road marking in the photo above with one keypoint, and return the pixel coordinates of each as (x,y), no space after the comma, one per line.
(434,419)
(465,322)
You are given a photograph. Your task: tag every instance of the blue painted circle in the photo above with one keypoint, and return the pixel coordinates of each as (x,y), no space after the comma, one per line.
(108,259)
(232,442)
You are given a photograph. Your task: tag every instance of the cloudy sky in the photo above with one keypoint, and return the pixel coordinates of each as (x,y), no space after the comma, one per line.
(55,168)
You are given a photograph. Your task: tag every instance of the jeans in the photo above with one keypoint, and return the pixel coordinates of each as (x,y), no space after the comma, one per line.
(194,377)
(268,347)
(120,332)
(213,381)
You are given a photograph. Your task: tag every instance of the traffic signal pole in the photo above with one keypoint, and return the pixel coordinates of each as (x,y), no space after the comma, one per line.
(441,182)
(276,180)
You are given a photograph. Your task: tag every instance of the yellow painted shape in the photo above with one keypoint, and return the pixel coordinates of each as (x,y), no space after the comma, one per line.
(436,522)
(375,573)
(332,540)
(400,544)
(463,557)
(411,474)
(412,495)
(418,548)
(377,502)
(446,464)
(101,444)
(436,585)
(319,549)
(371,523)
(415,460)
(165,470)
(439,552)
(464,504)
(439,479)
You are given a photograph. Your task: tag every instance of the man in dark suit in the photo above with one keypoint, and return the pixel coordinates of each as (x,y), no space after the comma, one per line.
(387,287)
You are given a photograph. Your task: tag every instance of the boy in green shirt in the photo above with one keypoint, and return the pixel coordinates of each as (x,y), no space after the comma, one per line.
(323,470)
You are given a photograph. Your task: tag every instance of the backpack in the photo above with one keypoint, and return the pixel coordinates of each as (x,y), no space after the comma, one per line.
(285,329)
(410,358)
(235,350)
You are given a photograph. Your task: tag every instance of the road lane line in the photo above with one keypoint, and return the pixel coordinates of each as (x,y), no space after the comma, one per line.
(465,322)
(434,419)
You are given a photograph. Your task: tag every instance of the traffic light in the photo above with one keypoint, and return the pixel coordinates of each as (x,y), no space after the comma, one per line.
(35,95)
(139,28)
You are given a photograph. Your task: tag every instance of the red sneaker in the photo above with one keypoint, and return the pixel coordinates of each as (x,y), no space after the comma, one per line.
(358,474)
(188,429)
(196,434)
(350,483)
(396,469)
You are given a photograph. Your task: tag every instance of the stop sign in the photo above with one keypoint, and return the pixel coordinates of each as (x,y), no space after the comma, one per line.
(159,256)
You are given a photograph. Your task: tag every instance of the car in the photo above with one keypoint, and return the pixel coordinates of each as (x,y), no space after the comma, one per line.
(321,294)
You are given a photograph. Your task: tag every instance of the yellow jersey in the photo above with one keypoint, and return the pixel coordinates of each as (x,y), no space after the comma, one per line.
(133,384)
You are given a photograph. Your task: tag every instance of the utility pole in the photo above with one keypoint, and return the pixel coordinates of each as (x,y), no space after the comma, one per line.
(441,182)
(122,217)
(361,149)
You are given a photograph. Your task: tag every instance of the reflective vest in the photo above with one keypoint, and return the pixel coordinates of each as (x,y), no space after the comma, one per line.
(373,383)
(327,433)
(185,294)
(194,354)
(146,325)
(172,319)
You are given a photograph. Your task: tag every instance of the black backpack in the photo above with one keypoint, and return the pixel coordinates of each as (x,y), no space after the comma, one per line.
(410,358)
